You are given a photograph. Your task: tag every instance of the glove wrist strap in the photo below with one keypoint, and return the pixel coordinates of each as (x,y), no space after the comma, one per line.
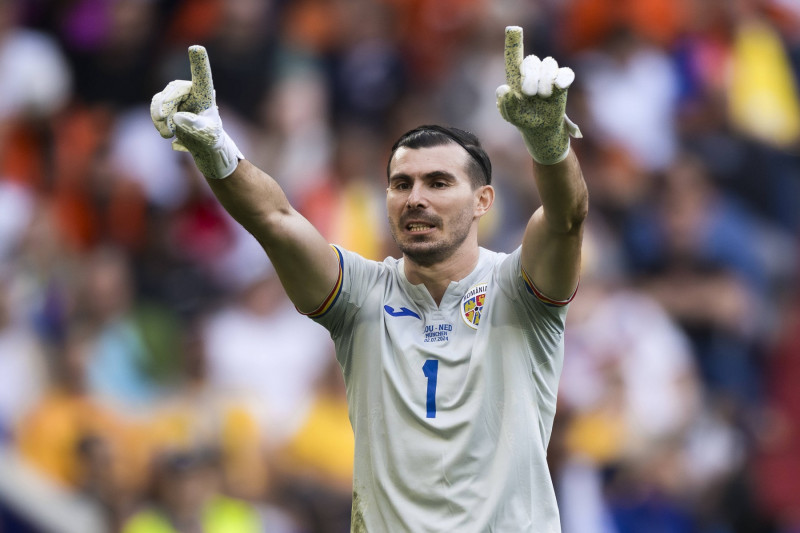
(549,149)
(214,162)
(553,150)
(219,163)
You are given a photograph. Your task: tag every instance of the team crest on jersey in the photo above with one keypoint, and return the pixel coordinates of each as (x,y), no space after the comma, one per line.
(472,305)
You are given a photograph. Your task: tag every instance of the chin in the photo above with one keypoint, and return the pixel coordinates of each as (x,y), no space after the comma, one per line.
(427,253)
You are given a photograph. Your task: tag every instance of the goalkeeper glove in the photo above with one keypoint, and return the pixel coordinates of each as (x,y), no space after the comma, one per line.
(188,111)
(534,100)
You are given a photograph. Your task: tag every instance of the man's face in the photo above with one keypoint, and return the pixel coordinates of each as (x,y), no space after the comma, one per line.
(431,205)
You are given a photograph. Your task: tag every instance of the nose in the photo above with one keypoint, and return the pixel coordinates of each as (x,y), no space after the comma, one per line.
(416,197)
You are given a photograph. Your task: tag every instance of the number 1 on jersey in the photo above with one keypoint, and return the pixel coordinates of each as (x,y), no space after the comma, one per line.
(431,371)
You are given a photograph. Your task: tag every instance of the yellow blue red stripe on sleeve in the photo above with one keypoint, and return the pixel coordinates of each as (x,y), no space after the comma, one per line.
(334,294)
(544,299)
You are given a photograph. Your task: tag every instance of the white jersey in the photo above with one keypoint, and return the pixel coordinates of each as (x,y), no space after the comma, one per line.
(451,405)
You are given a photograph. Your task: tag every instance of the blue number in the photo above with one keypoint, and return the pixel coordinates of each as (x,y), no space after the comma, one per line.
(431,371)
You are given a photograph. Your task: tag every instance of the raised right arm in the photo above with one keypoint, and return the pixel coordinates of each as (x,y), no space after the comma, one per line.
(306,265)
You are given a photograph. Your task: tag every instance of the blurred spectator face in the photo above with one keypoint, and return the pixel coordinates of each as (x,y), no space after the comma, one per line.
(132,21)
(98,467)
(245,11)
(194,355)
(72,363)
(365,20)
(243,22)
(108,285)
(299,102)
(186,481)
(686,197)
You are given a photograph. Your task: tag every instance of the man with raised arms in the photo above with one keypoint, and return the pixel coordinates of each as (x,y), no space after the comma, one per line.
(451,355)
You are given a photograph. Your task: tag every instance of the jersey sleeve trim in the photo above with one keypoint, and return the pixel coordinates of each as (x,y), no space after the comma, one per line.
(334,294)
(545,299)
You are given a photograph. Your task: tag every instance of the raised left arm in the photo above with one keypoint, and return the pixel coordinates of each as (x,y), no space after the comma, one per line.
(534,100)
(551,245)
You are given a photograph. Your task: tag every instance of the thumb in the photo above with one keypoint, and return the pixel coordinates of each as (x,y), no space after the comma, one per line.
(188,126)
(184,129)
(185,120)
(198,129)
(501,94)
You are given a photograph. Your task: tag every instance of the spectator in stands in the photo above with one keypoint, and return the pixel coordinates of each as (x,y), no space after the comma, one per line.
(23,372)
(122,366)
(196,414)
(259,347)
(697,253)
(186,498)
(77,441)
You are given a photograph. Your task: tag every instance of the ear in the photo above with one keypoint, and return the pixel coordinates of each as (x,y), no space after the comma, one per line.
(484,198)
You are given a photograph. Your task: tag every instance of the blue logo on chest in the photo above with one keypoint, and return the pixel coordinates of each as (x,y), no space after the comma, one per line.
(404,311)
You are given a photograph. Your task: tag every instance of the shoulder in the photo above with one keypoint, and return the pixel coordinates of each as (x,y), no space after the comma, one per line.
(357,266)
(500,264)
(349,255)
(490,257)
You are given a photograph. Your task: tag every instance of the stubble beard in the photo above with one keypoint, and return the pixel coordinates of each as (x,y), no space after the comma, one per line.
(425,252)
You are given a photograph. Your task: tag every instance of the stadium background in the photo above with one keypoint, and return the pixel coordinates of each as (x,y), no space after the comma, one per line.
(146,349)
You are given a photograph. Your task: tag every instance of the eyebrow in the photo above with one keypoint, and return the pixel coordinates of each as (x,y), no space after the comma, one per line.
(428,175)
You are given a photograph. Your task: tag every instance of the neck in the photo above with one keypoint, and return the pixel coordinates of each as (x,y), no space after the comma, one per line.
(437,277)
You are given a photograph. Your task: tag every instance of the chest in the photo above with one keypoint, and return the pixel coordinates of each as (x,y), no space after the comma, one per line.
(432,359)
(412,323)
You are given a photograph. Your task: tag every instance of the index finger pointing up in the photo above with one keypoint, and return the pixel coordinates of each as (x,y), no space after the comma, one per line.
(513,55)
(201,96)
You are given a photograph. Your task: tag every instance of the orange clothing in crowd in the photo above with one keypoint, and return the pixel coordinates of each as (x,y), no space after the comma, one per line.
(589,22)
(50,438)
(198,421)
(323,447)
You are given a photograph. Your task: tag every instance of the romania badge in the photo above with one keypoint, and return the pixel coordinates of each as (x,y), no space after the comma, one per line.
(472,305)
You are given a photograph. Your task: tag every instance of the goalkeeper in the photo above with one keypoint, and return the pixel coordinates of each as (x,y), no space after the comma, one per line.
(451,355)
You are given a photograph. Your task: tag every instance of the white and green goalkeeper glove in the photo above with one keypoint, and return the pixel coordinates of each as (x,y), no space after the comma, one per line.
(188,111)
(534,100)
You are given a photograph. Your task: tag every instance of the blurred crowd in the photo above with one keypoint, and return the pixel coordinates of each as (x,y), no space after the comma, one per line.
(150,361)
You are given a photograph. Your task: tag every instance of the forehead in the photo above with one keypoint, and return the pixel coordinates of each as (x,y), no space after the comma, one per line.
(449,157)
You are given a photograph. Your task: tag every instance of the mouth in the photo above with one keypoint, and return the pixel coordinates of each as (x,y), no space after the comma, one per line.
(418,227)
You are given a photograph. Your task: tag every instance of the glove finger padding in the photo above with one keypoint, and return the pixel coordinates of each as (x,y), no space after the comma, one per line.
(513,55)
(201,95)
(547,77)
(564,78)
(532,112)
(534,100)
(164,105)
(188,111)
(544,126)
(529,72)
(180,95)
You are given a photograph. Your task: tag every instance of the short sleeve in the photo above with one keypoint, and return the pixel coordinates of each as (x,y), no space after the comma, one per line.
(547,316)
(357,277)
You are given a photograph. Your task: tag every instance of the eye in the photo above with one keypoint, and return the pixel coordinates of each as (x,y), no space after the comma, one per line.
(401,186)
(439,184)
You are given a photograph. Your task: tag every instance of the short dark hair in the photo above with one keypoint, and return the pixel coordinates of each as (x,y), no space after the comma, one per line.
(429,135)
